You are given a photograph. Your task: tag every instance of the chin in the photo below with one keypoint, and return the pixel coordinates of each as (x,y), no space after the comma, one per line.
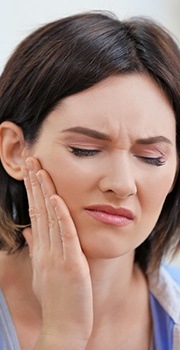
(106,252)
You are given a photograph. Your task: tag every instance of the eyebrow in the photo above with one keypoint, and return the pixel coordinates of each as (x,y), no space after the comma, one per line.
(89,132)
(105,137)
(154,139)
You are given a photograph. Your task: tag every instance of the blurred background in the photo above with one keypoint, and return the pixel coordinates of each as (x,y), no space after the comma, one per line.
(18,18)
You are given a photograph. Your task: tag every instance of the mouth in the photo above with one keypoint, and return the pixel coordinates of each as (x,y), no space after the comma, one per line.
(111,215)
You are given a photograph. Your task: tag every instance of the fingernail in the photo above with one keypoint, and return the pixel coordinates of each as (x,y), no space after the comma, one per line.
(53,201)
(24,171)
(29,164)
(39,177)
(40,180)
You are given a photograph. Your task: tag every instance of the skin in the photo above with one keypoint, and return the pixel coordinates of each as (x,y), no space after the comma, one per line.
(117,175)
(75,258)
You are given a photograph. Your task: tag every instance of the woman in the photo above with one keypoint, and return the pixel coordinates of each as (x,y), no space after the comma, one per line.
(89,112)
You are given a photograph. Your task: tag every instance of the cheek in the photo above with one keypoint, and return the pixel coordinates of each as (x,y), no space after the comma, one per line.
(70,180)
(71,174)
(157,190)
(67,183)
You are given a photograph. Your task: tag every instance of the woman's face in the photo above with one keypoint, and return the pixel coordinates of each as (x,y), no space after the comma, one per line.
(111,146)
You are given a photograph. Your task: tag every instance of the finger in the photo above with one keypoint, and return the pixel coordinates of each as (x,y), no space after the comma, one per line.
(37,207)
(48,189)
(68,234)
(27,183)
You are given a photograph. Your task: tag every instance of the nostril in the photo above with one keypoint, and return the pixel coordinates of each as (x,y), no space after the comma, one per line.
(120,190)
(118,175)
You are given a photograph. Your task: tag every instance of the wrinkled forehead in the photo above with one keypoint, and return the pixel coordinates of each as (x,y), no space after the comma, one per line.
(116,106)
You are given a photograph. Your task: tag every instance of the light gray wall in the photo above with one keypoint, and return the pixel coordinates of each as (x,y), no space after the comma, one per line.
(19,17)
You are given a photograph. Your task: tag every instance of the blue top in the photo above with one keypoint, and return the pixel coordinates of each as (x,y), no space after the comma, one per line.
(8,337)
(163,326)
(165,310)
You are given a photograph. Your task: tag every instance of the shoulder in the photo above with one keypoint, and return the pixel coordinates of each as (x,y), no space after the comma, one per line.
(174,272)
(165,306)
(8,337)
(165,286)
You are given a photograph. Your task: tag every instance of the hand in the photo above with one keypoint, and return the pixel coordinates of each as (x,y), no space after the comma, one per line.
(61,278)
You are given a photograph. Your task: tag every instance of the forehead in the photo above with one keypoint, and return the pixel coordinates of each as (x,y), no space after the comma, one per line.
(129,103)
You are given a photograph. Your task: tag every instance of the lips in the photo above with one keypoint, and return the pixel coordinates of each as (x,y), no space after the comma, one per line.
(111,215)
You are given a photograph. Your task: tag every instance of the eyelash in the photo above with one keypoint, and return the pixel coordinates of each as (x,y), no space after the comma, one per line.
(158,161)
(80,152)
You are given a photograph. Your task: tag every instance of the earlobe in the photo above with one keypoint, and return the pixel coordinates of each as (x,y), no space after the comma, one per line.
(12,148)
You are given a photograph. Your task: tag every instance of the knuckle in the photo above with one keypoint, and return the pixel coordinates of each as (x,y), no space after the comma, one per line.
(34,182)
(66,237)
(51,222)
(32,212)
(40,211)
(64,217)
(36,212)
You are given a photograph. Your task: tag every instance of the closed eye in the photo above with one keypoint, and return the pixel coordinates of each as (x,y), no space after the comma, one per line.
(83,152)
(157,161)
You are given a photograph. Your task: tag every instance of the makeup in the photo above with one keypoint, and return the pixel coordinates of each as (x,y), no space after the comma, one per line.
(111,215)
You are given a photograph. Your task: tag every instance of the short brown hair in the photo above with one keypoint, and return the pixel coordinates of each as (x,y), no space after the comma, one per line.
(65,57)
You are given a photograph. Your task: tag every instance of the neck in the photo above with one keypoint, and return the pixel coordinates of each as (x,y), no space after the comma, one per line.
(113,281)
(106,273)
(16,279)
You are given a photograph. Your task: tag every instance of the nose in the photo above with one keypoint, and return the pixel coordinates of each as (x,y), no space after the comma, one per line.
(118,176)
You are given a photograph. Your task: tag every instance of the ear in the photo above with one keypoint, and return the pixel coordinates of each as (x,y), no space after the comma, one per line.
(12,149)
